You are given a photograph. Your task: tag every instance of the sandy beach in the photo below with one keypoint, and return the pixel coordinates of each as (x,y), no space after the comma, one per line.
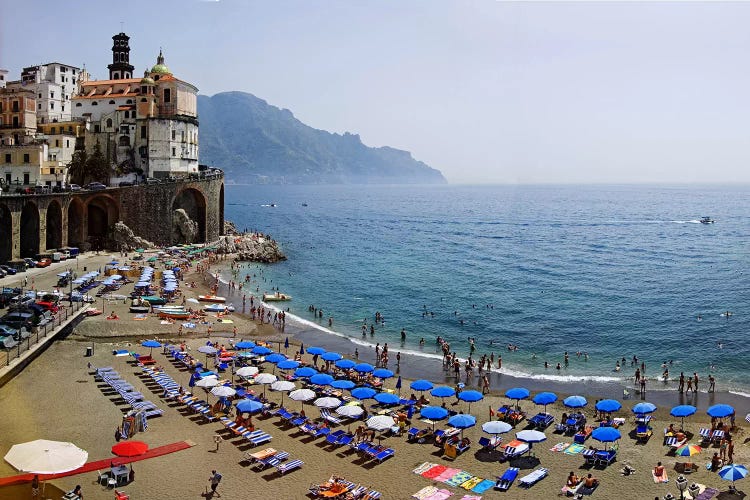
(56,397)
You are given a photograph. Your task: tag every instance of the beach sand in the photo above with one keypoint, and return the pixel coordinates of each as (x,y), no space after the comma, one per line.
(55,397)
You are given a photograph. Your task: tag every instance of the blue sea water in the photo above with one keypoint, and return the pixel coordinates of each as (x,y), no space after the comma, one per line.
(615,271)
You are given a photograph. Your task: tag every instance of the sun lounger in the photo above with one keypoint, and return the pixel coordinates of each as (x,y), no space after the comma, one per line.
(541,420)
(333,437)
(534,477)
(717,436)
(372,495)
(298,421)
(273,460)
(285,467)
(589,456)
(515,449)
(263,438)
(606,457)
(490,443)
(384,454)
(674,444)
(327,416)
(643,432)
(411,434)
(582,435)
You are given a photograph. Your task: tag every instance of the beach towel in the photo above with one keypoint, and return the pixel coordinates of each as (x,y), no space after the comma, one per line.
(424,467)
(559,447)
(425,492)
(707,494)
(574,449)
(483,486)
(471,497)
(447,474)
(434,471)
(439,495)
(459,478)
(469,485)
(139,317)
(660,479)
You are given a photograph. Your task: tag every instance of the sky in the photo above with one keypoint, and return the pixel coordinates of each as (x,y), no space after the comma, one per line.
(486,91)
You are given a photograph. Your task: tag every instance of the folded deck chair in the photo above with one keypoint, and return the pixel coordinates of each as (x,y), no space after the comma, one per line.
(534,477)
(505,481)
(273,460)
(285,467)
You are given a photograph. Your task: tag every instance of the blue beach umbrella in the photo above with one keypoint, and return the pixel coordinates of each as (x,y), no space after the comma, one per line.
(462,421)
(545,398)
(321,379)
(151,344)
(364,368)
(275,358)
(606,434)
(433,412)
(249,406)
(316,351)
(342,384)
(443,391)
(720,411)
(470,397)
(517,393)
(363,392)
(421,385)
(331,356)
(575,402)
(288,364)
(305,372)
(245,344)
(382,373)
(261,350)
(733,472)
(608,405)
(387,398)
(345,364)
(683,411)
(643,408)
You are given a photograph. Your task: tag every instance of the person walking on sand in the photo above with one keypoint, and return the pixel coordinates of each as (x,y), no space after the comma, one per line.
(215,480)
(689,384)
(681,385)
(711,383)
(695,381)
(485,384)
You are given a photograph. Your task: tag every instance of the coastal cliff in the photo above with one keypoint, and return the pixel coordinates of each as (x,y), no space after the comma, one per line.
(257,143)
(250,247)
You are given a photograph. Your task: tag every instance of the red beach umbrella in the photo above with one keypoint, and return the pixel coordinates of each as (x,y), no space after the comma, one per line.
(130,448)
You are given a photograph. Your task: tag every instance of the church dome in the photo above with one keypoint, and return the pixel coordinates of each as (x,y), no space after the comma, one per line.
(147,80)
(160,69)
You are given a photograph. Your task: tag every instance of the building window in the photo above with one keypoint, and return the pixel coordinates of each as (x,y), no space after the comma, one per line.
(111,102)
(57,143)
(174,152)
(51,95)
(124,140)
(143,131)
(15,106)
(116,76)
(7,157)
(78,105)
(97,128)
(109,122)
(173,134)
(94,103)
(53,130)
(129,101)
(39,106)
(167,95)
(26,157)
(26,178)
(63,107)
(143,99)
(52,105)
(8,178)
(67,143)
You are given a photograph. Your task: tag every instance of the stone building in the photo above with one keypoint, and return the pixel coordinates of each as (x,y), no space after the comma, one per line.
(54,84)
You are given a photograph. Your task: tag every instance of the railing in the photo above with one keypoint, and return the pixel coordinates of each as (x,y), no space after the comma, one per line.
(41,332)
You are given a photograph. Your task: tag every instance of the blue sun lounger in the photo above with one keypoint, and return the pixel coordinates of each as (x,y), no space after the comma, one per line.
(505,481)
(262,438)
(384,454)
(273,460)
(285,467)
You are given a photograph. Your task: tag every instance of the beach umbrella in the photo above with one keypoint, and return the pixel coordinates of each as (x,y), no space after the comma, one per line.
(345,364)
(351,411)
(275,358)
(207,349)
(606,434)
(496,427)
(643,408)
(282,386)
(328,402)
(316,351)
(130,448)
(470,397)
(302,395)
(363,392)
(288,364)
(342,384)
(261,350)
(517,393)
(46,457)
(443,391)
(247,371)
(249,406)
(575,401)
(731,472)
(531,437)
(151,344)
(545,398)
(608,405)
(222,391)
(387,398)
(265,378)
(211,381)
(380,422)
(421,385)
(688,450)
(244,344)
(382,373)
(364,368)
(321,379)
(720,411)
(433,412)
(331,356)
(305,372)
(462,421)
(683,411)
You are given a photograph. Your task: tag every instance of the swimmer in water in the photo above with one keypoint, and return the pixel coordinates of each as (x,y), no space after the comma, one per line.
(699,318)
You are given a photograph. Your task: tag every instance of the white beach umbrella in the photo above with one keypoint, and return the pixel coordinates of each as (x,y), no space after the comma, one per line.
(350,411)
(207,349)
(247,371)
(46,457)
(327,402)
(302,395)
(266,378)
(282,385)
(223,391)
(211,381)
(496,427)
(531,436)
(380,422)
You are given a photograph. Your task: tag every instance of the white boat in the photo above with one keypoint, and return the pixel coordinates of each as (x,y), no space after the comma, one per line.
(707,220)
(276,297)
(212,298)
(219,308)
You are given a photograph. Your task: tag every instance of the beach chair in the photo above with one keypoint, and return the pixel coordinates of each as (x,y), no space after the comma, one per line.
(589,456)
(372,495)
(263,438)
(285,467)
(541,420)
(297,421)
(674,444)
(273,460)
(411,434)
(582,435)
(606,457)
(643,433)
(327,416)
(388,453)
(321,431)
(505,481)
(534,477)
(333,437)
(514,449)
(717,436)
(357,492)
(705,435)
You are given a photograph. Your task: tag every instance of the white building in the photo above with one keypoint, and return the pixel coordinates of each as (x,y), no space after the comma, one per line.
(54,85)
(3,78)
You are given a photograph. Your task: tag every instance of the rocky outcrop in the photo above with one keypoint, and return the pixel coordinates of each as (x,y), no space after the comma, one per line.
(124,237)
(184,229)
(250,247)
(230,228)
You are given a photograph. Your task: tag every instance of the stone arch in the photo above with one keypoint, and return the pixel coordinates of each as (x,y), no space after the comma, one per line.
(6,234)
(76,219)
(193,202)
(54,225)
(29,230)
(101,214)
(221,210)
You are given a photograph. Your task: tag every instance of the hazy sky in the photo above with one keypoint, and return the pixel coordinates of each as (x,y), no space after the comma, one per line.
(484,90)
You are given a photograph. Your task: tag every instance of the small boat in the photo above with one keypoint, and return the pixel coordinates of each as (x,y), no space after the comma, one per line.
(219,308)
(276,297)
(212,298)
(139,309)
(174,314)
(153,299)
(707,220)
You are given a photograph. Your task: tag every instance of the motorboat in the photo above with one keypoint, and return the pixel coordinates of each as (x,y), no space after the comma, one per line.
(139,309)
(174,313)
(219,308)
(707,220)
(152,299)
(212,298)
(276,297)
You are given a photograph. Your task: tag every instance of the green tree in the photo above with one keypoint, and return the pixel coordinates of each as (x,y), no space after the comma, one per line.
(77,167)
(97,166)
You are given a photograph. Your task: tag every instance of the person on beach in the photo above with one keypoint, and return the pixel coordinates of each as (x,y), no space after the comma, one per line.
(711,383)
(681,384)
(78,492)
(35,486)
(695,381)
(730,450)
(689,384)
(215,480)
(485,384)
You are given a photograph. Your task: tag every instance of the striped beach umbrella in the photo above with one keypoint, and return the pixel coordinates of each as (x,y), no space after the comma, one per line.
(688,450)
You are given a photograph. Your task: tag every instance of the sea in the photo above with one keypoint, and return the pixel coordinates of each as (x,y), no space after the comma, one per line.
(604,272)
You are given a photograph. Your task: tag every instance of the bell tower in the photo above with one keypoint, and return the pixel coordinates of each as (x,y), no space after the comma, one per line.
(120,68)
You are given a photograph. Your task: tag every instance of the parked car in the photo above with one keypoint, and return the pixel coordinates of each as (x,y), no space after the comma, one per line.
(95,186)
(44,262)
(3,274)
(7,342)
(15,334)
(30,262)
(8,269)
(49,306)
(74,187)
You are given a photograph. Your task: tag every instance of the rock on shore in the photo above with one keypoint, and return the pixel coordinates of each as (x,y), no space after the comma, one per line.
(250,247)
(126,238)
